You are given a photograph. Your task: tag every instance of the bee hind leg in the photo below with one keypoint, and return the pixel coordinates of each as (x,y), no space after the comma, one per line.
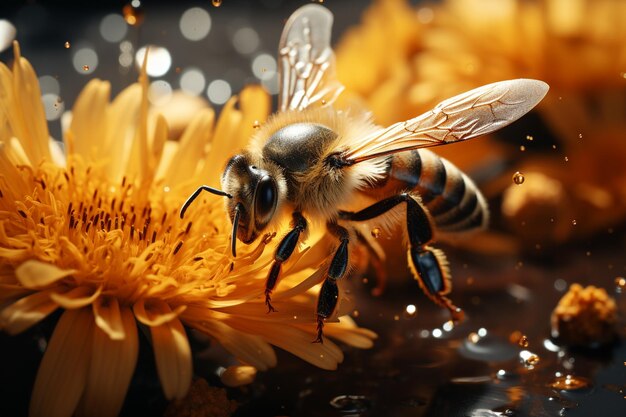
(428,265)
(283,251)
(329,294)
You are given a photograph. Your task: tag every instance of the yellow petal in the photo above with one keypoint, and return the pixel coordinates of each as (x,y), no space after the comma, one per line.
(108,317)
(89,121)
(36,274)
(347,332)
(155,312)
(191,147)
(248,348)
(222,150)
(255,106)
(27,311)
(122,124)
(296,341)
(111,369)
(29,119)
(76,297)
(63,370)
(173,358)
(235,376)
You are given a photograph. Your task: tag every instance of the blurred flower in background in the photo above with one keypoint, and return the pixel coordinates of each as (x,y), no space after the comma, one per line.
(573,155)
(94,231)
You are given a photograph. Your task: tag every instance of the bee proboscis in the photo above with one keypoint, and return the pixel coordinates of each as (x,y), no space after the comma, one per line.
(314,162)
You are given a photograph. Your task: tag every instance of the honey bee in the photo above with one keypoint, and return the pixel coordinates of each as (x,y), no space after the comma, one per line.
(323,165)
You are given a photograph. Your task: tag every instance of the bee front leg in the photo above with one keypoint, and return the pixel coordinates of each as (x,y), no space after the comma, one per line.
(329,294)
(283,252)
(428,265)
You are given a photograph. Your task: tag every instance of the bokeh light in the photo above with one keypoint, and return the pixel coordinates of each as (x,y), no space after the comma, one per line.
(192,81)
(219,91)
(85,60)
(113,28)
(159,60)
(195,24)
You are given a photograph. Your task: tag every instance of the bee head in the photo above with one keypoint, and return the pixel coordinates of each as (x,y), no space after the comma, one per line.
(254,192)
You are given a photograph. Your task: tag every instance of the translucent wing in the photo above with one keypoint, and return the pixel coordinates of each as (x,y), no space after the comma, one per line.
(468,115)
(306,65)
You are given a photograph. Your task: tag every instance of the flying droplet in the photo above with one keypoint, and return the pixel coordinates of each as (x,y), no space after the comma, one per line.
(523,341)
(410,311)
(580,136)
(570,382)
(620,284)
(133,13)
(216,3)
(566,159)
(518,178)
(528,137)
(256,124)
(529,359)
(85,67)
(375,232)
(67,45)
(522,148)
(355,313)
(574,222)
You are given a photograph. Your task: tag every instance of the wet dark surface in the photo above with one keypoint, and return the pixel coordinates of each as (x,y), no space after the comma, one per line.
(416,367)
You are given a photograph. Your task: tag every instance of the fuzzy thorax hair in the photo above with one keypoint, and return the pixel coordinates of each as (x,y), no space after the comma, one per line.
(322,189)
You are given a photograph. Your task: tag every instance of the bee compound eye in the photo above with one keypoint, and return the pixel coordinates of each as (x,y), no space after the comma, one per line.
(265,200)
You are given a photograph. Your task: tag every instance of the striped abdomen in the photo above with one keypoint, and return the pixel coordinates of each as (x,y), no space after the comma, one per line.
(451,197)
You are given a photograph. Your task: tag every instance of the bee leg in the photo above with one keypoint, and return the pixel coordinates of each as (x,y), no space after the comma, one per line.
(283,252)
(329,294)
(428,265)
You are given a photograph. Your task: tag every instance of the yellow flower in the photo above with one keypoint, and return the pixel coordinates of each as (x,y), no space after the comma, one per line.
(577,46)
(96,233)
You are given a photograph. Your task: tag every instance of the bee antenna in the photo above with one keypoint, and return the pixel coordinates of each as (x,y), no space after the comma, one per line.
(196,193)
(233,238)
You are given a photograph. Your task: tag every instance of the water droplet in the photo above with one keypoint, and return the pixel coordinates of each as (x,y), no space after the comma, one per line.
(355,313)
(351,403)
(518,178)
(620,284)
(522,148)
(323,102)
(580,135)
(473,337)
(574,222)
(256,124)
(566,159)
(216,3)
(410,311)
(570,382)
(530,138)
(375,232)
(85,67)
(67,45)
(396,317)
(529,359)
(523,341)
(133,13)
(553,146)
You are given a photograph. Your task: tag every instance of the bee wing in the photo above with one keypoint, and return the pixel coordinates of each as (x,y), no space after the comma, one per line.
(466,116)
(307,64)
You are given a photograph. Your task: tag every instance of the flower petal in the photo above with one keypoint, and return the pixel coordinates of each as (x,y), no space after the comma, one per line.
(191,147)
(108,317)
(173,358)
(248,348)
(27,311)
(296,341)
(36,274)
(76,297)
(111,369)
(348,332)
(155,312)
(88,124)
(235,376)
(62,374)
